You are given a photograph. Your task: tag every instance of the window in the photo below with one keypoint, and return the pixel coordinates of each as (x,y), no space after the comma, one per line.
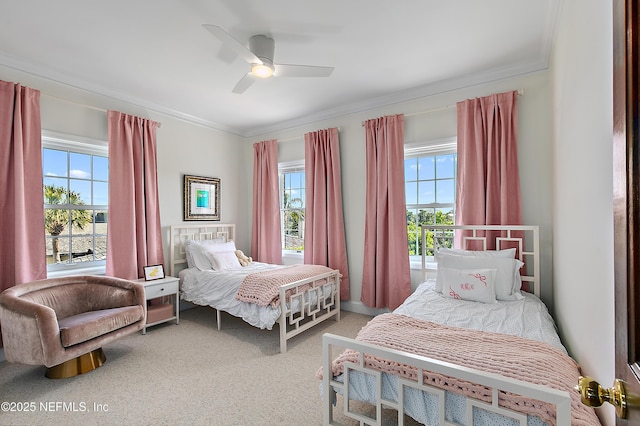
(292,203)
(76,191)
(430,189)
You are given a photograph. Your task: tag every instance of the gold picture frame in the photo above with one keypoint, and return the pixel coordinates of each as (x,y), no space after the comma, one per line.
(201,198)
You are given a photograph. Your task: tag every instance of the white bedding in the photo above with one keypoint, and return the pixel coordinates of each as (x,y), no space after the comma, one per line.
(218,290)
(527,318)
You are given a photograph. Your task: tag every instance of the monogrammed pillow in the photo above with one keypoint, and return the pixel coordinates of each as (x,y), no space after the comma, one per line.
(477,285)
(507,282)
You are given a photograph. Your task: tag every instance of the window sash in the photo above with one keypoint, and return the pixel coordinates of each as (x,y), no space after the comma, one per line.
(292,237)
(430,210)
(74,242)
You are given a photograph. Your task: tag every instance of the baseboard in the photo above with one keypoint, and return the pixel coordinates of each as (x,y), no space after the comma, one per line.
(360,308)
(184,305)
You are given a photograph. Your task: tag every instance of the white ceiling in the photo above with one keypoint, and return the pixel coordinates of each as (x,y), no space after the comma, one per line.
(156,54)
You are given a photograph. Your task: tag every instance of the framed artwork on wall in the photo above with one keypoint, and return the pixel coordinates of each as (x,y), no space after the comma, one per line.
(201,198)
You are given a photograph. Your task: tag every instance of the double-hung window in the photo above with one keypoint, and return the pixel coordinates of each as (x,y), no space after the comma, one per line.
(292,203)
(430,189)
(76,190)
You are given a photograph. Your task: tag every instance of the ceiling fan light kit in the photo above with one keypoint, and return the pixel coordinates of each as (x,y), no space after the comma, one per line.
(261,70)
(260,56)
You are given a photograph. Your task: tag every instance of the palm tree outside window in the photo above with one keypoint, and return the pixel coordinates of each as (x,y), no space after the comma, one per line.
(75,189)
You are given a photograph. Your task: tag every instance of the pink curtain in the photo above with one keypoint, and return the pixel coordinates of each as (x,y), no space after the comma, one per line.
(386,279)
(488,191)
(324,238)
(134,237)
(266,244)
(22,245)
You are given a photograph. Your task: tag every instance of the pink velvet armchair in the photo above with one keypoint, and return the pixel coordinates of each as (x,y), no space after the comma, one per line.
(62,323)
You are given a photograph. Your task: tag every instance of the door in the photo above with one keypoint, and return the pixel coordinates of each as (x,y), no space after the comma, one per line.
(626,196)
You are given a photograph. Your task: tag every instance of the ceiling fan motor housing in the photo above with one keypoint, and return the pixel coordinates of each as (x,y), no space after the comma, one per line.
(263,47)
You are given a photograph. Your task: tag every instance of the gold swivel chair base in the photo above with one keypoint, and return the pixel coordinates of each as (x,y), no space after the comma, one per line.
(75,367)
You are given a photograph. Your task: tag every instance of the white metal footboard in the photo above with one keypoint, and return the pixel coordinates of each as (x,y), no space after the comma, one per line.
(309,302)
(494,382)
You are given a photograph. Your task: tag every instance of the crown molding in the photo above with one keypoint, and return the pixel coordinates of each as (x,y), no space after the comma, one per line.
(431,89)
(443,86)
(48,73)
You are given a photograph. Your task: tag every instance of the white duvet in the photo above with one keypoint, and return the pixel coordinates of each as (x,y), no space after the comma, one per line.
(218,290)
(527,318)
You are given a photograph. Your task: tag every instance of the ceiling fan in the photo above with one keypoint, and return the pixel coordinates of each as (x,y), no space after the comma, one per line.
(260,56)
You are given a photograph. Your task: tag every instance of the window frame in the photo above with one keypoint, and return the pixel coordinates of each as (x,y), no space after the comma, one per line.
(424,149)
(284,168)
(81,145)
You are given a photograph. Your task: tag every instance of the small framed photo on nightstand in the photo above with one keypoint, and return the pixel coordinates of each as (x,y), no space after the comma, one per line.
(153,272)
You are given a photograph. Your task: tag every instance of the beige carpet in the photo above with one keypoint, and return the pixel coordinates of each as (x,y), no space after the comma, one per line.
(186,374)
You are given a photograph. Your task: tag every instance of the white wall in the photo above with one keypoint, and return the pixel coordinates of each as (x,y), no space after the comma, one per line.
(183,148)
(534,152)
(191,149)
(582,167)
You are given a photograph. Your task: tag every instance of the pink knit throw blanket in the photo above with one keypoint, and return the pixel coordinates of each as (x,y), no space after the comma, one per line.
(263,288)
(507,355)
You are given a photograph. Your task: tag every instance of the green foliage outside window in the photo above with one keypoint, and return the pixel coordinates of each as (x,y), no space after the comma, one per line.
(293,217)
(426,217)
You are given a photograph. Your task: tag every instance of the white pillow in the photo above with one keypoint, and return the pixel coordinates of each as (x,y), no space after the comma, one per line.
(218,248)
(199,249)
(225,260)
(507,282)
(200,260)
(477,285)
(201,253)
(509,253)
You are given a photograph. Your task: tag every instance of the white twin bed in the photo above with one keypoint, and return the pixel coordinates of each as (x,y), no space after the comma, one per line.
(468,347)
(297,297)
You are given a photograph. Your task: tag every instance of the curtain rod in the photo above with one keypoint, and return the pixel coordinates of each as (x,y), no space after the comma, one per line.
(292,138)
(95,108)
(442,108)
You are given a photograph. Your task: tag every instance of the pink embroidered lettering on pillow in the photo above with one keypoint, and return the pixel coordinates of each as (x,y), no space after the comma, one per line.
(471,284)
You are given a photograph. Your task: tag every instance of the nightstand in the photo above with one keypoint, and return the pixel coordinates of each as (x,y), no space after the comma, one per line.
(166,289)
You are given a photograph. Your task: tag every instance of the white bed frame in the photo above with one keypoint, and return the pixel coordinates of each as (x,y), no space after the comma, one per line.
(291,323)
(332,345)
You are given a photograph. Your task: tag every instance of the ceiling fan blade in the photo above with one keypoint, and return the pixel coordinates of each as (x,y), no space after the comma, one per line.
(244,83)
(234,44)
(286,70)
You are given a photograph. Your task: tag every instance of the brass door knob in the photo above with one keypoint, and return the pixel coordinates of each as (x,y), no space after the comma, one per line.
(594,395)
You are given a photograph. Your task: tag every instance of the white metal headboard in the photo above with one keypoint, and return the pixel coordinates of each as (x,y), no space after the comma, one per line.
(178,234)
(525,238)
